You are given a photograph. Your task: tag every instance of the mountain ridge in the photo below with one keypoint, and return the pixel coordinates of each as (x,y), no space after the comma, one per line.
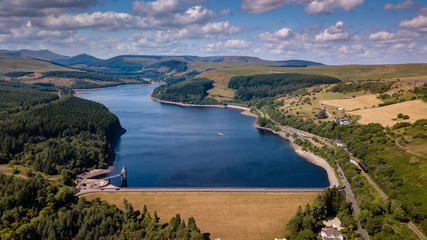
(85,58)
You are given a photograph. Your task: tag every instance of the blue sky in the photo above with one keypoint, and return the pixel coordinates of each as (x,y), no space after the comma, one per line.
(328,31)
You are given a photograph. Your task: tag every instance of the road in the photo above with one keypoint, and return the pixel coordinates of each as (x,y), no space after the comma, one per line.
(353,202)
(252,190)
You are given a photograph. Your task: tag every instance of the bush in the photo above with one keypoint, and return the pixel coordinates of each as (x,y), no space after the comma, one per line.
(15,171)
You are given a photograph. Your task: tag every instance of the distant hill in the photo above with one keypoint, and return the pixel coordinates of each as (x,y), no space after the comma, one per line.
(25,53)
(33,71)
(155,67)
(79,59)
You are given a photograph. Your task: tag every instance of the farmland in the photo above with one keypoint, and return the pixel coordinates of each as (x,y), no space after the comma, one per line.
(387,115)
(224,215)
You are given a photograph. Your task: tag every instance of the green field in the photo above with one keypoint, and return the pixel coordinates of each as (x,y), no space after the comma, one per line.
(249,216)
(344,72)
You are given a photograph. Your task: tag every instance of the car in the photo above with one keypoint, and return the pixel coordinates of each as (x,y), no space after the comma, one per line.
(117,188)
(102,189)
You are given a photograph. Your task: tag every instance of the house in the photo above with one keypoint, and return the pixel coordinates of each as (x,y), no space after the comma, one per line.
(343,121)
(339,143)
(331,234)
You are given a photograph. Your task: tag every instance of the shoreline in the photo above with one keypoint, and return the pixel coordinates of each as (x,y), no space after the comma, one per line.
(246,111)
(308,156)
(77,90)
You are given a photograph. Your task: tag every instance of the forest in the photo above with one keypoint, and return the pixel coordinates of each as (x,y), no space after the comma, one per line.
(272,85)
(373,87)
(35,208)
(192,91)
(54,135)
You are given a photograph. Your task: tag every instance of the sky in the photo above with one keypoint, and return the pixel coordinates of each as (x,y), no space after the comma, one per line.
(329,31)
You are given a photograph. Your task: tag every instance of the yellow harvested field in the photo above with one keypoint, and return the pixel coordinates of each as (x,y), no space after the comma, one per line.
(230,216)
(416,109)
(349,104)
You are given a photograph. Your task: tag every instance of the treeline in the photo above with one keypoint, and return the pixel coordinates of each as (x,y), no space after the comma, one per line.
(421,91)
(193,91)
(116,65)
(271,85)
(33,208)
(67,136)
(172,65)
(15,97)
(306,223)
(83,75)
(369,143)
(373,87)
(17,74)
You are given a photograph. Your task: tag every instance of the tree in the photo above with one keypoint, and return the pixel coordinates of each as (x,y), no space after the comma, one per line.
(155,217)
(192,224)
(322,114)
(306,234)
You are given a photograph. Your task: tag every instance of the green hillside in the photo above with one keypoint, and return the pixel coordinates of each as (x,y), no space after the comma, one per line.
(29,65)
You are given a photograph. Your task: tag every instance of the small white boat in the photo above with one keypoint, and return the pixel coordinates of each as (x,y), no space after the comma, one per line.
(220,134)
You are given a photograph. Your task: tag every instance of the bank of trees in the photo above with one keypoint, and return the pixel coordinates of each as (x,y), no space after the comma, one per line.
(54,135)
(373,87)
(271,85)
(192,91)
(34,208)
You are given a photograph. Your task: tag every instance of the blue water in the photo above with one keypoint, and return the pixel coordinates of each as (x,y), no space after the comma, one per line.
(172,146)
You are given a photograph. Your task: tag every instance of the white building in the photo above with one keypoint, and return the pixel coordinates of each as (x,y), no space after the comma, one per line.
(331,234)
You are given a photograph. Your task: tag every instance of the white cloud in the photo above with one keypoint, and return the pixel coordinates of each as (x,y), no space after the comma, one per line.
(401,36)
(282,34)
(381,36)
(263,6)
(334,33)
(327,6)
(228,45)
(100,21)
(28,31)
(312,6)
(418,23)
(111,21)
(33,8)
(216,30)
(401,5)
(194,15)
(155,8)
(172,36)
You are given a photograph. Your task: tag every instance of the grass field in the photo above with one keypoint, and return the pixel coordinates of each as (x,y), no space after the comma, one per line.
(29,65)
(231,216)
(344,72)
(416,109)
(349,104)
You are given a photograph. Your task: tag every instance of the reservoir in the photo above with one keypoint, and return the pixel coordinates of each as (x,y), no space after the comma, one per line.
(173,146)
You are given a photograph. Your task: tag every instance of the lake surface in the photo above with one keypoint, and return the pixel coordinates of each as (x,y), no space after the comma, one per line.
(172,146)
